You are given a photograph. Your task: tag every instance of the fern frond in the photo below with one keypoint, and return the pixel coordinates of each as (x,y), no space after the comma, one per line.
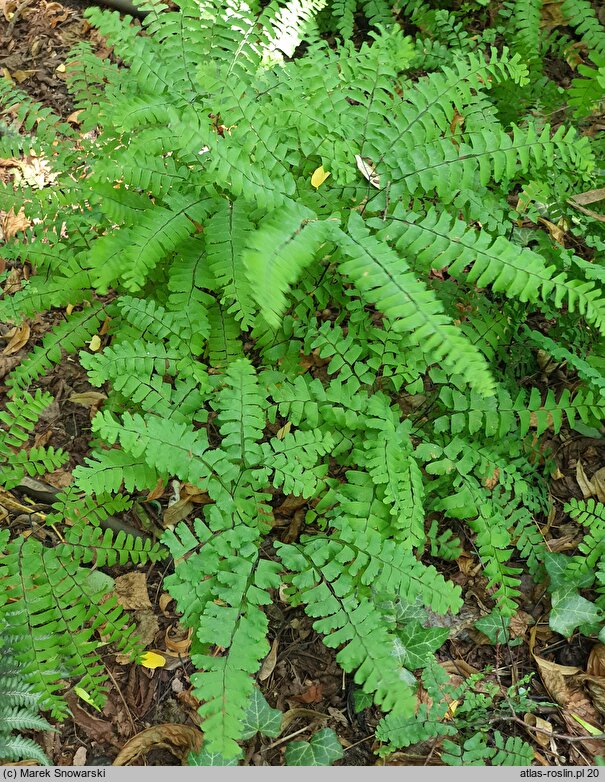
(384,279)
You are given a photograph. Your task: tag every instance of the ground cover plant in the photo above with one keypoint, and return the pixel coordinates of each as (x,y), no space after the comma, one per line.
(298,263)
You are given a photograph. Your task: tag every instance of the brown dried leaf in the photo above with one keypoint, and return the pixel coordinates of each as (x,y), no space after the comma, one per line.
(131,591)
(519,624)
(598,481)
(585,485)
(491,482)
(17,340)
(300,713)
(157,491)
(195,494)
(176,512)
(290,504)
(13,223)
(74,117)
(59,478)
(541,736)
(596,661)
(269,662)
(179,740)
(95,728)
(589,196)
(21,76)
(556,231)
(554,678)
(87,398)
(147,626)
(79,758)
(313,694)
(596,689)
(178,639)
(164,602)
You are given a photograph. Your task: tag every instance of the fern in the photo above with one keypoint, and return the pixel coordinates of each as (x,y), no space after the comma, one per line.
(367,343)
(20,707)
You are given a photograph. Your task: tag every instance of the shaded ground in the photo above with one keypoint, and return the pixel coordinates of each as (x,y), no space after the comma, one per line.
(300,676)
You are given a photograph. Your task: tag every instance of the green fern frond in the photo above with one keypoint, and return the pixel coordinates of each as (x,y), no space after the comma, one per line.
(384,279)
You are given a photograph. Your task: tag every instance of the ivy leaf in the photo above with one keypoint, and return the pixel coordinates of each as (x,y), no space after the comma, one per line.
(261,718)
(323,750)
(416,644)
(205,758)
(494,626)
(570,610)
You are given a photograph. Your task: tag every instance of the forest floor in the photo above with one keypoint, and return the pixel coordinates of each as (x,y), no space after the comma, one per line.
(300,675)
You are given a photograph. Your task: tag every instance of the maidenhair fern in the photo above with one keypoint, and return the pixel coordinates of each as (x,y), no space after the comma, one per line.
(19,707)
(306,276)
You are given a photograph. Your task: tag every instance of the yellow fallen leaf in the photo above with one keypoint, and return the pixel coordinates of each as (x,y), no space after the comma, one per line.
(281,433)
(83,695)
(451,710)
(153,660)
(319,176)
(87,398)
(95,343)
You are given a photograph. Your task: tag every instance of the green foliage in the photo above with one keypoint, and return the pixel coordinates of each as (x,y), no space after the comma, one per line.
(323,750)
(370,344)
(57,606)
(568,576)
(19,709)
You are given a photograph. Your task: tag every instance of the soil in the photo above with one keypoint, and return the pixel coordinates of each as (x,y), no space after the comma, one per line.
(302,678)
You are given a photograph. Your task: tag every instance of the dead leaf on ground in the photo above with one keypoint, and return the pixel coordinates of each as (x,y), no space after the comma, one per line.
(289,505)
(596,661)
(596,689)
(60,479)
(95,728)
(87,398)
(269,662)
(19,338)
(519,624)
(299,713)
(195,494)
(492,481)
(542,736)
(563,684)
(164,602)
(598,482)
(178,639)
(367,170)
(557,232)
(585,485)
(179,740)
(313,694)
(147,625)
(131,591)
(20,76)
(79,757)
(157,491)
(589,196)
(13,282)
(176,512)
